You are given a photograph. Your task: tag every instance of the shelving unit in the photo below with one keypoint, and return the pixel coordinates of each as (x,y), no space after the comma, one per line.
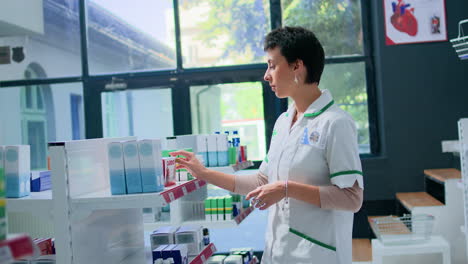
(89,224)
(211,224)
(463,149)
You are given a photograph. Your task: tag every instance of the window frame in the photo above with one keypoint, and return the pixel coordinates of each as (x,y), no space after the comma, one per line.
(180,80)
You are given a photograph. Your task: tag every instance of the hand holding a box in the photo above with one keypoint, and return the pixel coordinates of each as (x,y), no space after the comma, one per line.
(190,162)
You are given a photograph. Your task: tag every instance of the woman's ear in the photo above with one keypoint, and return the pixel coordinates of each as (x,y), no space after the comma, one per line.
(298,64)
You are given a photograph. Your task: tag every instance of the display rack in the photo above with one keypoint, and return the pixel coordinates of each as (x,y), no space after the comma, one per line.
(211,224)
(89,224)
(463,137)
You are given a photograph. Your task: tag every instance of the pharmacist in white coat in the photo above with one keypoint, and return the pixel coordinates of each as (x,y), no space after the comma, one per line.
(311,180)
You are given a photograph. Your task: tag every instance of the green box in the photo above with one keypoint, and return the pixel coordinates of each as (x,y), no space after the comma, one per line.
(228,207)
(220,202)
(214,208)
(208,209)
(3,222)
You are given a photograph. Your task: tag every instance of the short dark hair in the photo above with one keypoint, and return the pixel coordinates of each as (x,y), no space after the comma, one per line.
(299,43)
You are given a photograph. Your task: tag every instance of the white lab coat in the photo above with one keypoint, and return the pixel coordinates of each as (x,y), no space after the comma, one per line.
(320,149)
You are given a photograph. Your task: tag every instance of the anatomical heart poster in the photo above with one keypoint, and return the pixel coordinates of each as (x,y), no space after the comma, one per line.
(414,21)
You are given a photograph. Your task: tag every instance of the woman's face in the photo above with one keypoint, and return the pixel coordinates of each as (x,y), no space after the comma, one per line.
(280,74)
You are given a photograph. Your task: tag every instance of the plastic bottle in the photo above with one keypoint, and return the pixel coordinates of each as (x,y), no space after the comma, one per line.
(236,140)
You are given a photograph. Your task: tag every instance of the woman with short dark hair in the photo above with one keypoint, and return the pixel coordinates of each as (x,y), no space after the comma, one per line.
(311,179)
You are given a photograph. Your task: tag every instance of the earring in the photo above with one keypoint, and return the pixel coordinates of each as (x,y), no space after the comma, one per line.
(295,79)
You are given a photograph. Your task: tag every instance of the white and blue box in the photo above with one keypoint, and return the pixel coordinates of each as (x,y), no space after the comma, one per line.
(197,143)
(157,252)
(212,150)
(222,150)
(192,236)
(17,171)
(180,254)
(132,167)
(151,165)
(116,168)
(40,180)
(162,236)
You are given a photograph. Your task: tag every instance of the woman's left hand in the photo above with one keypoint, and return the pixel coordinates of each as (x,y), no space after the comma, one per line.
(267,195)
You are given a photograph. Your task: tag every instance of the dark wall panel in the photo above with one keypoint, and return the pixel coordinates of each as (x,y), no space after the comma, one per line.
(422,91)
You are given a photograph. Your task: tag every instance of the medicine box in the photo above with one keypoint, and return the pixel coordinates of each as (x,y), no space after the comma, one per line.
(151,165)
(40,180)
(162,236)
(192,235)
(222,150)
(116,168)
(180,254)
(17,171)
(196,142)
(132,167)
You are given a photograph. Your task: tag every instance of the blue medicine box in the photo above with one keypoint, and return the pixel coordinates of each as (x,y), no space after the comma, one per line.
(40,181)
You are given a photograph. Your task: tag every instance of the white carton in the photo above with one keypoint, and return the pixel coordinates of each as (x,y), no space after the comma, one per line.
(132,167)
(197,143)
(212,150)
(222,150)
(151,165)
(116,168)
(17,171)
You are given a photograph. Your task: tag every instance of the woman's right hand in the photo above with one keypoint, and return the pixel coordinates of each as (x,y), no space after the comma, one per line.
(190,162)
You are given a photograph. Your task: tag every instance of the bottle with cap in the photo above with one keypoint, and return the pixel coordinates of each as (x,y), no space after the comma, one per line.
(236,140)
(206,236)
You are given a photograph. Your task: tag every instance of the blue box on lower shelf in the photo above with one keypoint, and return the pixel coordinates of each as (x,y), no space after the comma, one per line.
(40,181)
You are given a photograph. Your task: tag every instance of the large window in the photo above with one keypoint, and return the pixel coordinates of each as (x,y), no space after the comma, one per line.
(136,36)
(231,107)
(337,24)
(46,32)
(142,113)
(38,114)
(216,33)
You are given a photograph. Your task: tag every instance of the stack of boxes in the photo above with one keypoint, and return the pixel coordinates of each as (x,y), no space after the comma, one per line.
(212,148)
(177,243)
(236,256)
(219,208)
(135,167)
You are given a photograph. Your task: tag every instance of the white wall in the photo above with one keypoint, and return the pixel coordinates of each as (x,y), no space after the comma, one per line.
(21,16)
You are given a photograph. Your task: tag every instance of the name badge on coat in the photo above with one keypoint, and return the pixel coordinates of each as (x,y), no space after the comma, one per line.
(313,137)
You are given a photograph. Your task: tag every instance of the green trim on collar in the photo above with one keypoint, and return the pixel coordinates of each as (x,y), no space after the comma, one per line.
(287,114)
(311,239)
(274,133)
(266,159)
(345,173)
(320,111)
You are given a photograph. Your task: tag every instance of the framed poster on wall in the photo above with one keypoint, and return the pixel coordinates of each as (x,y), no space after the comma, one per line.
(414,21)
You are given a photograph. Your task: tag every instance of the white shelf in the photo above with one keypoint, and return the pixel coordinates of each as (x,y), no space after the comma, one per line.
(105,200)
(37,203)
(233,168)
(210,224)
